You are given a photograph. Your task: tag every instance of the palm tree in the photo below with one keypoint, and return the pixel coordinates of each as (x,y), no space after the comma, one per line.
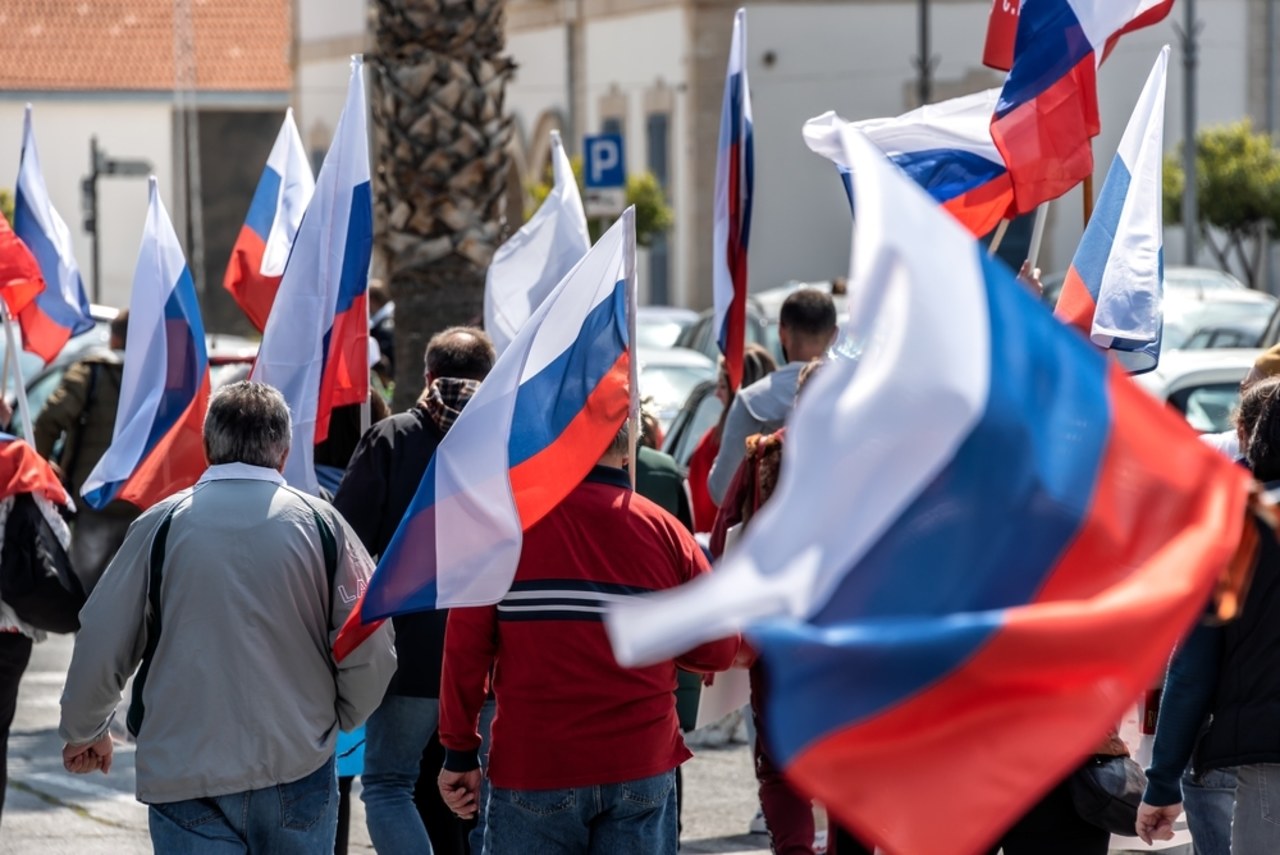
(441,172)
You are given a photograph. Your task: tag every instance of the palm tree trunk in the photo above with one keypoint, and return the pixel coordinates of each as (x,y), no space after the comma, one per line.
(440,137)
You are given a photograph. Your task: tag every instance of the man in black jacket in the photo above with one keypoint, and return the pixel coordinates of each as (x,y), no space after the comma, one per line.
(377,489)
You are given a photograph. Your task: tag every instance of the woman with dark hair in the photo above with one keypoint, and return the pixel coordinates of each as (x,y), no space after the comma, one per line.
(1229,676)
(756,363)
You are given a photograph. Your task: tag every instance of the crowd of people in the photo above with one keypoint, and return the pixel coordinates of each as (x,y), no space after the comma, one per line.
(511,728)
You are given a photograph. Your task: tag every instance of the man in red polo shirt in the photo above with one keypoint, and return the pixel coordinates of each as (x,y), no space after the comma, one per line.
(584,751)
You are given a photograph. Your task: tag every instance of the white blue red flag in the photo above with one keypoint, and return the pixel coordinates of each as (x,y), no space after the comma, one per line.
(973,544)
(735,180)
(540,421)
(259,255)
(157,447)
(62,309)
(20,278)
(946,148)
(532,262)
(1048,108)
(316,346)
(1115,284)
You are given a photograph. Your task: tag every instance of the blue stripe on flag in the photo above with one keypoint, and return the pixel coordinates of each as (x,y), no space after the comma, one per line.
(947,173)
(547,402)
(1099,237)
(266,198)
(186,362)
(931,591)
(1050,43)
(50,300)
(358,249)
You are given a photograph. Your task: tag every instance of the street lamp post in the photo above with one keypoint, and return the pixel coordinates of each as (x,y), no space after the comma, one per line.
(101,164)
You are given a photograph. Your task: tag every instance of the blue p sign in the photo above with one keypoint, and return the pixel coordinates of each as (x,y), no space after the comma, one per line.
(604,161)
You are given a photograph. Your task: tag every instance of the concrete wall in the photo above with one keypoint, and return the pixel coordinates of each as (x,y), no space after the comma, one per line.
(127,128)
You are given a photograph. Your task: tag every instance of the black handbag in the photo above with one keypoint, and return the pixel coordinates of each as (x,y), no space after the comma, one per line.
(1106,792)
(36,579)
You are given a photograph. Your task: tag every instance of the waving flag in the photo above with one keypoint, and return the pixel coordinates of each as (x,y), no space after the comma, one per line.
(284,191)
(316,346)
(735,181)
(542,418)
(946,148)
(20,279)
(532,262)
(61,310)
(157,447)
(1114,286)
(1022,557)
(1048,109)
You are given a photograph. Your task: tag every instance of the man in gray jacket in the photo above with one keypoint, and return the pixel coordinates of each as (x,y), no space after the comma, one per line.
(229,594)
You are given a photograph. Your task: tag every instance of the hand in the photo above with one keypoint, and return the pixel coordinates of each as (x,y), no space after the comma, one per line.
(461,791)
(1156,823)
(83,759)
(1031,278)
(6,413)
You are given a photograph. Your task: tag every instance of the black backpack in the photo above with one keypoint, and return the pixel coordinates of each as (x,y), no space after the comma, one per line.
(36,579)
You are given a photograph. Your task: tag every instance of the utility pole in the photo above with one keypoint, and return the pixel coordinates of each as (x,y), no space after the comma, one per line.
(925,61)
(1189,35)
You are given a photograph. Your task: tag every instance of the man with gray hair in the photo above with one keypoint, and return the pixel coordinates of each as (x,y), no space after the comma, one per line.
(229,595)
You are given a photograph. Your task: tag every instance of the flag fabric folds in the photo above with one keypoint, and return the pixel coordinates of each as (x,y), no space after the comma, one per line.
(946,148)
(1114,286)
(23,470)
(532,262)
(315,349)
(20,279)
(157,447)
(735,183)
(62,309)
(1048,109)
(262,248)
(972,544)
(540,421)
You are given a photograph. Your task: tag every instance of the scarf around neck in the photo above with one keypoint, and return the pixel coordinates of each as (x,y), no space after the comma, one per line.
(445,399)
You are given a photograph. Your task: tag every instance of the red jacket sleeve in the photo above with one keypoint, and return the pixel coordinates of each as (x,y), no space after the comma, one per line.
(470,646)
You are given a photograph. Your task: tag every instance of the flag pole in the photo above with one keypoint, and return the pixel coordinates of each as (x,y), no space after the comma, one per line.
(998,238)
(366,415)
(1088,199)
(1037,235)
(11,360)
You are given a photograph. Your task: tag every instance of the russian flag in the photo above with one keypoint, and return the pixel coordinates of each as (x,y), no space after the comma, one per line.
(259,255)
(1048,108)
(540,421)
(157,447)
(532,261)
(946,148)
(315,349)
(1114,286)
(20,279)
(979,553)
(735,181)
(62,309)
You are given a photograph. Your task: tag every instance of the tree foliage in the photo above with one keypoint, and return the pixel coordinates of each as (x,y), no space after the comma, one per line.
(6,204)
(653,215)
(1237,192)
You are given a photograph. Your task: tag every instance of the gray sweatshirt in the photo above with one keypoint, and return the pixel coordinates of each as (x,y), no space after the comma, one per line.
(762,407)
(243,691)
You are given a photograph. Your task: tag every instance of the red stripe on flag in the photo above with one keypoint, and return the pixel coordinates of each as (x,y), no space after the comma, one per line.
(981,209)
(354,632)
(177,460)
(1076,305)
(541,482)
(20,279)
(346,368)
(736,260)
(253,292)
(1137,575)
(41,334)
(1046,141)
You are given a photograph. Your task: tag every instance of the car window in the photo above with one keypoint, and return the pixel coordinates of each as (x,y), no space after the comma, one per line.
(37,395)
(668,386)
(1208,408)
(658,334)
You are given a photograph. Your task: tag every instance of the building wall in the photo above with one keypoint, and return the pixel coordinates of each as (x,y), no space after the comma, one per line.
(127,128)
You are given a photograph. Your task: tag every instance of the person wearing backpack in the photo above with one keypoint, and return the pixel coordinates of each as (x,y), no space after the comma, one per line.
(81,415)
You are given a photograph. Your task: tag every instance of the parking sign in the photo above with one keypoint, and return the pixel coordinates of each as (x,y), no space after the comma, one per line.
(604,164)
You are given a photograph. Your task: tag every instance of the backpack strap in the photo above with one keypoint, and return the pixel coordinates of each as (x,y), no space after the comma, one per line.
(155,567)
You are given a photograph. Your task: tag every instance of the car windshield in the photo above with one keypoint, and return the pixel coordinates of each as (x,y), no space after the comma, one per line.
(658,333)
(667,387)
(1209,408)
(1201,325)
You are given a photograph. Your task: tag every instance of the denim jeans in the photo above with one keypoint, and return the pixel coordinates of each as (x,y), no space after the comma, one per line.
(1209,800)
(299,818)
(1255,825)
(395,736)
(634,816)
(476,838)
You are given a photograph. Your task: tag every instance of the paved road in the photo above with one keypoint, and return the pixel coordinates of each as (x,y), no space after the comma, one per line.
(50,812)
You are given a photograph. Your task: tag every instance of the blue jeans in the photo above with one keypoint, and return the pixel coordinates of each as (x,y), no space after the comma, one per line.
(1209,800)
(635,816)
(395,736)
(1255,825)
(476,837)
(300,818)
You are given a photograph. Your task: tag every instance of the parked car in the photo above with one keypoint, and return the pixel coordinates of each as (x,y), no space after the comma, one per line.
(661,326)
(1203,308)
(668,376)
(763,308)
(1202,385)
(701,410)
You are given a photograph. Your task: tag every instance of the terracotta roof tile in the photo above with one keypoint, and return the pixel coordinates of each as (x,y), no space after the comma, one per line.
(241,45)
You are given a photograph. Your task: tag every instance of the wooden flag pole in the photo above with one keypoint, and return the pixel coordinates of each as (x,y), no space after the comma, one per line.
(998,238)
(1037,235)
(1088,198)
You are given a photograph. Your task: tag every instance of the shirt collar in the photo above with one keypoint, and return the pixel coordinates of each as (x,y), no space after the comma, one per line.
(610,475)
(241,471)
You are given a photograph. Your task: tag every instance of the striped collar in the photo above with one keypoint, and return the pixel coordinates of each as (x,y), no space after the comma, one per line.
(610,475)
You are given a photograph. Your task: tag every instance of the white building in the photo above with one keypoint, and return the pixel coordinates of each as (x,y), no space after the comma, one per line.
(653,70)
